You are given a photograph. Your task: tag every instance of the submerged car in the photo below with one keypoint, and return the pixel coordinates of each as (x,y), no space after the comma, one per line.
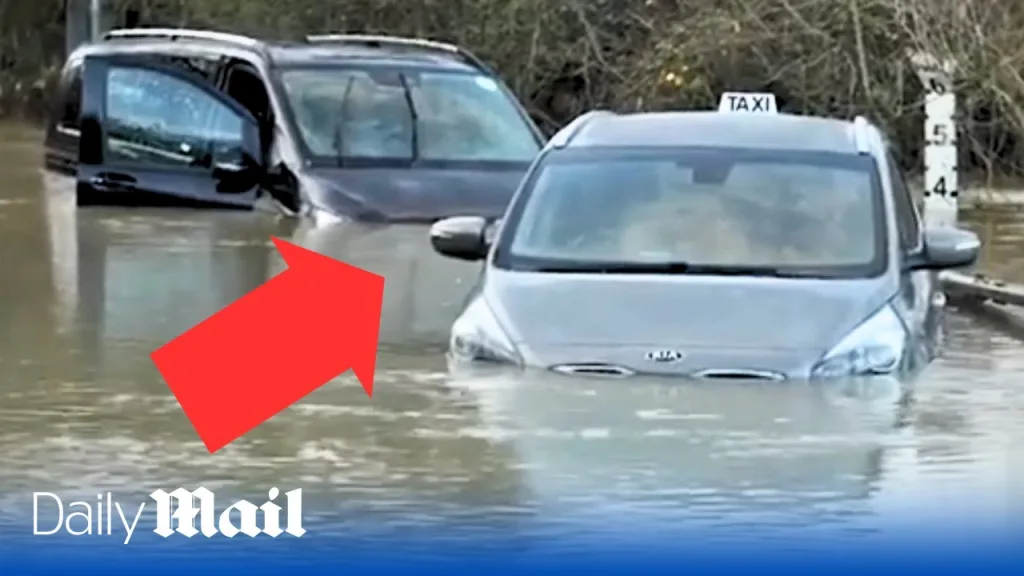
(707,244)
(370,128)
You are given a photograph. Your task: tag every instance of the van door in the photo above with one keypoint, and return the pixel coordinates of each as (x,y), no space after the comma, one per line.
(152,134)
(920,293)
(61,145)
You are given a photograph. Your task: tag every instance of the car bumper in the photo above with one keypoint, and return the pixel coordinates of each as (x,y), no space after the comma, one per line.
(883,388)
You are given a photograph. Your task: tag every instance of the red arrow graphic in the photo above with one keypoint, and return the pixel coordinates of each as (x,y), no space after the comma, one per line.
(268,349)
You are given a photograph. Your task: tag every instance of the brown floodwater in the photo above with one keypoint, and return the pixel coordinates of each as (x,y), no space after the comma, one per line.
(87,295)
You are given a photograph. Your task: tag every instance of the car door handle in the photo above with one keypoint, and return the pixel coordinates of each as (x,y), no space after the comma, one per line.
(113,182)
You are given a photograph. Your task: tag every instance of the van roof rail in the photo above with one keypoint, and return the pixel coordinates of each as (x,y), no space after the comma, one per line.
(173,34)
(380,41)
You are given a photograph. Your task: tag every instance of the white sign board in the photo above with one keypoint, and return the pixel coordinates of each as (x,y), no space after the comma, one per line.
(755,102)
(940,151)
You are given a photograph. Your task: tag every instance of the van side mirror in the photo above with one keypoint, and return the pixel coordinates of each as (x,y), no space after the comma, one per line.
(945,248)
(238,177)
(461,237)
(245,173)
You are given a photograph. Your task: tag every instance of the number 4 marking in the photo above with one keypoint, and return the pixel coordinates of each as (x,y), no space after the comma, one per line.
(940,189)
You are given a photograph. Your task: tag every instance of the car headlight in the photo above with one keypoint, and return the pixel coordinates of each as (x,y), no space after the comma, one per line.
(874,347)
(478,337)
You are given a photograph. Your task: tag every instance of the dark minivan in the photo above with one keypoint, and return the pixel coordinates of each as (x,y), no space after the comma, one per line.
(338,127)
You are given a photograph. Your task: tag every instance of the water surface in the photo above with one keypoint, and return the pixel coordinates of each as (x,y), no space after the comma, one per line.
(88,294)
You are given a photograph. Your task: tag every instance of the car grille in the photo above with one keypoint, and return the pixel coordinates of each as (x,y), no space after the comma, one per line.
(616,371)
(732,374)
(593,369)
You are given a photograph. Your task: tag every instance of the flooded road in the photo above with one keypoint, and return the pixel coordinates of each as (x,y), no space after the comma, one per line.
(1002,228)
(87,295)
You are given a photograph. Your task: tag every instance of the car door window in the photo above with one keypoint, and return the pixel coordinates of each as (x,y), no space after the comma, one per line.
(906,211)
(156,118)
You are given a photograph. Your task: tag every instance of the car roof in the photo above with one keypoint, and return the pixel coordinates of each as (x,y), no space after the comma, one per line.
(718,129)
(286,53)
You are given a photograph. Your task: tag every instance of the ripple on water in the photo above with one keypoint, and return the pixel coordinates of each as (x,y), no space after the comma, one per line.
(563,455)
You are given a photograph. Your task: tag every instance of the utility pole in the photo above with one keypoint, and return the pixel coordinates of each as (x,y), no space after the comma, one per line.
(84,21)
(95,19)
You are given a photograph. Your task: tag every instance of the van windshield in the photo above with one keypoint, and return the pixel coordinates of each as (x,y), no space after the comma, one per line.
(385,114)
(713,211)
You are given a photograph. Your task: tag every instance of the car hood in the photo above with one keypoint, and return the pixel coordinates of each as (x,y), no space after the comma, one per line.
(414,194)
(718,323)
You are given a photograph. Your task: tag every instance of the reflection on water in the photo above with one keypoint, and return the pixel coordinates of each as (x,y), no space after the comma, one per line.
(652,453)
(91,293)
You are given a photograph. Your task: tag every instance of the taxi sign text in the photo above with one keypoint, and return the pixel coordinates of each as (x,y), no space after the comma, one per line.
(747,102)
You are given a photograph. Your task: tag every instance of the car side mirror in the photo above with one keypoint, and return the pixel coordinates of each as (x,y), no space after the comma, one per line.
(945,248)
(461,237)
(247,172)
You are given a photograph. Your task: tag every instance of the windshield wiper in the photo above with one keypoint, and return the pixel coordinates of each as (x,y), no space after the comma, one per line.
(735,270)
(413,116)
(677,268)
(339,124)
(618,268)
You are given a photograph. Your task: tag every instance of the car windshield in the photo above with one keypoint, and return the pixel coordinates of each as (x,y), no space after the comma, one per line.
(384,114)
(716,211)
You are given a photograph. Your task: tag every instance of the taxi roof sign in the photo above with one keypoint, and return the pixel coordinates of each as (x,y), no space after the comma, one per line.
(755,102)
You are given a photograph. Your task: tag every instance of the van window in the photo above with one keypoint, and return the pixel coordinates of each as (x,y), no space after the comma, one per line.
(71,88)
(204,66)
(436,115)
(906,210)
(156,118)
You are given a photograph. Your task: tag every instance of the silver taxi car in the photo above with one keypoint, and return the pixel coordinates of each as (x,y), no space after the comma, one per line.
(743,243)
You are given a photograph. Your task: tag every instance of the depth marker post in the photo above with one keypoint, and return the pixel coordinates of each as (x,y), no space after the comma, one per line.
(942,186)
